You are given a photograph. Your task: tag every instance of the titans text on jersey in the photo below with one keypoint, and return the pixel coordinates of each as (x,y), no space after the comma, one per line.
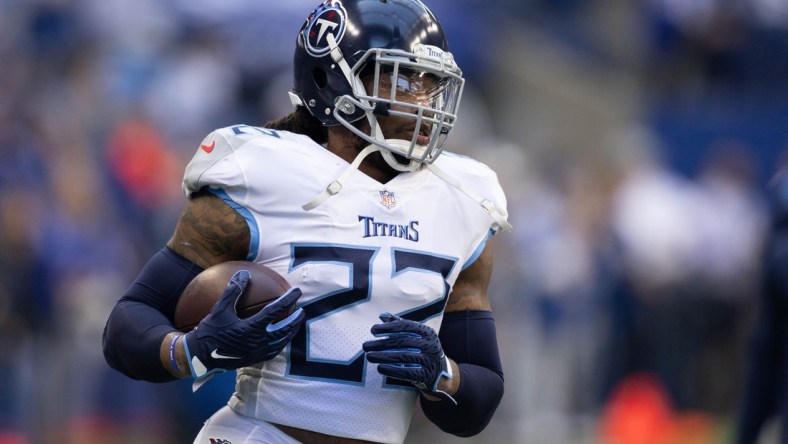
(373,228)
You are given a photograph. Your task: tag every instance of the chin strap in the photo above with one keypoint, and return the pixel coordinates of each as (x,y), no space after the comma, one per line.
(500,221)
(402,145)
(335,186)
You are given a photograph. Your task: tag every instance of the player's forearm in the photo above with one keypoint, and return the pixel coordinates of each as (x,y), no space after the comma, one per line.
(477,397)
(139,327)
(132,347)
(469,338)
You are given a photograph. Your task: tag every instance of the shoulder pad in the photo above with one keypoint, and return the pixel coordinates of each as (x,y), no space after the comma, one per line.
(216,153)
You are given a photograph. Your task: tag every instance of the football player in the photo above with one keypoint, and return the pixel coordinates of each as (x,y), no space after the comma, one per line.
(382,236)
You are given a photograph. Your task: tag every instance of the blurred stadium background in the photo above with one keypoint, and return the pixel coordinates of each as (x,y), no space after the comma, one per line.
(634,139)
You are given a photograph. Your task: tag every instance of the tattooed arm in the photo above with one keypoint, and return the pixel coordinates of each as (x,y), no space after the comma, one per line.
(210,232)
(139,330)
(470,290)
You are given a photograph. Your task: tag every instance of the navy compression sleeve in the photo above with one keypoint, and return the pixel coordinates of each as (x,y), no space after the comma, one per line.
(143,317)
(468,337)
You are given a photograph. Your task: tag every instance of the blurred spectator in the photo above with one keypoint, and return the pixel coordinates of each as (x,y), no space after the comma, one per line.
(731,221)
(651,221)
(652,215)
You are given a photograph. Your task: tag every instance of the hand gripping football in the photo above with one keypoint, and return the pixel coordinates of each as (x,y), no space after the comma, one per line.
(204,290)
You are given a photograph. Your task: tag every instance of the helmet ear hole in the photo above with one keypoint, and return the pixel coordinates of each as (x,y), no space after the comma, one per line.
(320,78)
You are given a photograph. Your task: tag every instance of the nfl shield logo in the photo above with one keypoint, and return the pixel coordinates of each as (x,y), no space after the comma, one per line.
(388,199)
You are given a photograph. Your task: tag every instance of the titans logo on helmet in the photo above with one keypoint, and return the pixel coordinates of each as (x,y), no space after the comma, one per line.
(329,18)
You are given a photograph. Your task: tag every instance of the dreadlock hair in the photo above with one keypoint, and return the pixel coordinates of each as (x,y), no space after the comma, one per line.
(302,122)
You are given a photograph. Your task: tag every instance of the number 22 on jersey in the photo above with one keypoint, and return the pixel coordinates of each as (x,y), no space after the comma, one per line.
(358,261)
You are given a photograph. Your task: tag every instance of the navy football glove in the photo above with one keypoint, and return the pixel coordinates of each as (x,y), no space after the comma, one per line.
(222,341)
(410,351)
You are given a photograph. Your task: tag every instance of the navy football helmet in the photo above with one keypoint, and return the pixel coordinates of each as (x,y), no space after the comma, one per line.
(397,43)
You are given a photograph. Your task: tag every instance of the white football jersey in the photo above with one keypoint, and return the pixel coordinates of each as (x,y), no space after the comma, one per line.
(372,248)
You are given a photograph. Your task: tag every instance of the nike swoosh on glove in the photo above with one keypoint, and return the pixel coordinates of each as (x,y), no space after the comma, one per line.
(410,351)
(222,341)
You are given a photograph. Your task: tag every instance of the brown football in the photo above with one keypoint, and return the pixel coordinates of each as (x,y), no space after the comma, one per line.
(204,290)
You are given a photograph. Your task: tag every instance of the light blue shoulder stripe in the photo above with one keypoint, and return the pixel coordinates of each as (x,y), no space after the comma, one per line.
(254,230)
(478,251)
